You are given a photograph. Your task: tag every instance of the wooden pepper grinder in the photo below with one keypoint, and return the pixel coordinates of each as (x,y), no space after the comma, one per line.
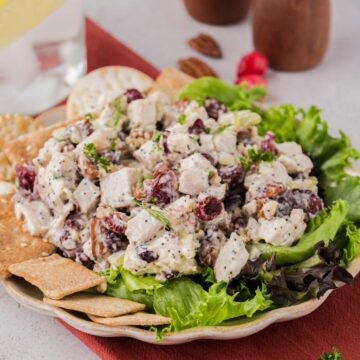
(293,34)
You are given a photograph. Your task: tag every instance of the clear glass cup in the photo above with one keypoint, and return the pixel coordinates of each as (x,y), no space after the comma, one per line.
(42,53)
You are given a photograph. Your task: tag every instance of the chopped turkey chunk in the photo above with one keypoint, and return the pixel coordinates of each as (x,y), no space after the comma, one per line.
(181,143)
(117,188)
(87,195)
(196,161)
(142,114)
(149,154)
(231,259)
(36,215)
(143,227)
(193,182)
(101,138)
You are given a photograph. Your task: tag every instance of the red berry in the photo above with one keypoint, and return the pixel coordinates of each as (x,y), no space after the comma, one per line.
(252,63)
(251,80)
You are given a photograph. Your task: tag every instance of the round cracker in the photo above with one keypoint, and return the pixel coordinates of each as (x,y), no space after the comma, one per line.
(12,126)
(101,86)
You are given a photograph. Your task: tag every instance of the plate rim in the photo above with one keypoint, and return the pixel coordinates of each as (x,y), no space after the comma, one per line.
(210,332)
(206,332)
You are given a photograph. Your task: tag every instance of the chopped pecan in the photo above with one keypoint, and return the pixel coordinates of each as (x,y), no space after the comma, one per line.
(195,67)
(206,45)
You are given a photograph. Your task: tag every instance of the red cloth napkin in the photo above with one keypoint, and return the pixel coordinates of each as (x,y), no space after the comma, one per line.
(336,323)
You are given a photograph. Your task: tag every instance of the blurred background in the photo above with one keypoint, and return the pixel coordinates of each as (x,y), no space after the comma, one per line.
(158,30)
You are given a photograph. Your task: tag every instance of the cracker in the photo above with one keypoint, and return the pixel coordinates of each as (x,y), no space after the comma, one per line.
(170,81)
(56,276)
(27,147)
(12,126)
(101,86)
(138,319)
(16,245)
(95,304)
(6,187)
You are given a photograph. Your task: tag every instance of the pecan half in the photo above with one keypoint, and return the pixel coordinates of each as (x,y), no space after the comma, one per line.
(195,67)
(206,45)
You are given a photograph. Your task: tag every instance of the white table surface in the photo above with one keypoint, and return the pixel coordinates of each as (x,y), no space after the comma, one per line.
(158,29)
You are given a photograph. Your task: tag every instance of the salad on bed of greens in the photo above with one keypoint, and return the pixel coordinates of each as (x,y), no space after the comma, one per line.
(276,272)
(208,210)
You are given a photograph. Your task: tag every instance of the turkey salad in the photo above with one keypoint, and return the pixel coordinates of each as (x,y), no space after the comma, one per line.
(159,189)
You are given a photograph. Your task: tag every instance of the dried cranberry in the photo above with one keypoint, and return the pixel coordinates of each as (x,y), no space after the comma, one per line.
(232,175)
(234,198)
(170,275)
(197,128)
(268,142)
(74,224)
(209,208)
(214,107)
(114,224)
(162,189)
(306,200)
(239,222)
(88,125)
(252,63)
(115,242)
(25,175)
(209,158)
(84,260)
(148,256)
(133,94)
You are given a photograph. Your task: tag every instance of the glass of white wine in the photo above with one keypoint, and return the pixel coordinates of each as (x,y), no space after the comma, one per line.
(42,53)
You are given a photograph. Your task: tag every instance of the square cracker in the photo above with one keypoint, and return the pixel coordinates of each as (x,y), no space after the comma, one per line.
(12,126)
(95,304)
(56,276)
(27,146)
(138,319)
(170,81)
(16,245)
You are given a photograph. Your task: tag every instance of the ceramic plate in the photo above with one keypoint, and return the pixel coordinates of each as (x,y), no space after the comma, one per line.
(30,297)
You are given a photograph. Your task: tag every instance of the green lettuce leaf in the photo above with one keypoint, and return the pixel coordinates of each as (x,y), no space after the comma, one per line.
(305,247)
(334,355)
(348,240)
(123,284)
(237,97)
(189,305)
(348,188)
(281,121)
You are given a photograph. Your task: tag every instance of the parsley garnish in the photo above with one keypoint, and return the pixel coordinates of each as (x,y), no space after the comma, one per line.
(207,130)
(334,355)
(90,152)
(194,138)
(117,111)
(114,143)
(221,129)
(156,212)
(89,117)
(181,119)
(156,136)
(254,156)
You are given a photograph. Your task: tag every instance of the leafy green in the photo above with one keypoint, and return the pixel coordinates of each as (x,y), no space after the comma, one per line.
(117,111)
(123,284)
(189,305)
(237,97)
(305,247)
(91,153)
(281,120)
(347,188)
(334,355)
(156,136)
(221,128)
(348,239)
(156,213)
(253,156)
(181,119)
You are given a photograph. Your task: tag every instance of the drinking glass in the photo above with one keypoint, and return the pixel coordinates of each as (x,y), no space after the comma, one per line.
(42,53)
